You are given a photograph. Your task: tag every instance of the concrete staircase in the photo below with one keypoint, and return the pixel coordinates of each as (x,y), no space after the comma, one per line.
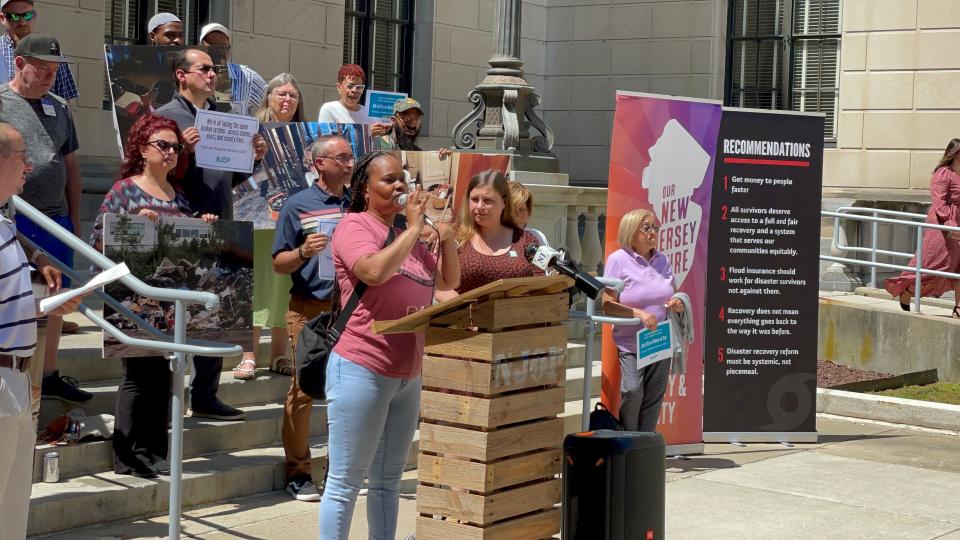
(222,460)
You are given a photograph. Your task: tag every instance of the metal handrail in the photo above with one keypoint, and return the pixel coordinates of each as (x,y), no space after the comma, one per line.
(179,346)
(592,320)
(915,220)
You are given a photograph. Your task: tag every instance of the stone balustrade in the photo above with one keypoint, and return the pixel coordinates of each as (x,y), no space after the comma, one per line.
(557,210)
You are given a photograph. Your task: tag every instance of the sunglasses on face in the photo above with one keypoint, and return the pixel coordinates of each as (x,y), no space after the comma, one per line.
(205,69)
(164,146)
(647,229)
(17,17)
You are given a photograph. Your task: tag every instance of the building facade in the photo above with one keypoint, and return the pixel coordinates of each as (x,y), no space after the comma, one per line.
(880,70)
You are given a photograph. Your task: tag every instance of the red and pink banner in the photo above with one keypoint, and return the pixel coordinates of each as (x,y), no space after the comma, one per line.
(662,159)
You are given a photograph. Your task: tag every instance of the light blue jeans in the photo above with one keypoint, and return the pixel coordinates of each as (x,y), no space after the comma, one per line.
(371,421)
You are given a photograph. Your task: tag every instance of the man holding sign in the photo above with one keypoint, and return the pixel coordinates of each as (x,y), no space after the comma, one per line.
(208,192)
(302,240)
(648,295)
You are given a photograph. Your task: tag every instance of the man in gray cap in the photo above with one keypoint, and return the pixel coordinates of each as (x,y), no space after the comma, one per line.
(53,186)
(17,17)
(165,29)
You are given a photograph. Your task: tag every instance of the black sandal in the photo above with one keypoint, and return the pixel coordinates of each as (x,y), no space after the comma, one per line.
(956,312)
(905,307)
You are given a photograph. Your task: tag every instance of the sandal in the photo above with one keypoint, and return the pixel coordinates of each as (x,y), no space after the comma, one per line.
(282,365)
(246,370)
(956,312)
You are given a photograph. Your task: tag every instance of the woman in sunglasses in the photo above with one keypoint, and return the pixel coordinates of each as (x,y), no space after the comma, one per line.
(153,150)
(351,82)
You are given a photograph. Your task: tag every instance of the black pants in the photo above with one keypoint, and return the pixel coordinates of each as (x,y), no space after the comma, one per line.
(206,382)
(143,412)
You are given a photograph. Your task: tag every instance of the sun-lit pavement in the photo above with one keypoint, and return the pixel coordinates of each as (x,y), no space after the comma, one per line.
(863,480)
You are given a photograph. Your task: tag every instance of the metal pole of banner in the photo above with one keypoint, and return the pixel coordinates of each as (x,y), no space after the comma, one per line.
(916,280)
(873,254)
(178,366)
(588,364)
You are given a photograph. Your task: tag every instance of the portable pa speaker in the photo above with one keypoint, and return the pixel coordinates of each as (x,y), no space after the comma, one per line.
(613,486)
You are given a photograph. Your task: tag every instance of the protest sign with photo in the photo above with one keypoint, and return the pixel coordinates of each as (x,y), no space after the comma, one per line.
(283,172)
(141,81)
(182,253)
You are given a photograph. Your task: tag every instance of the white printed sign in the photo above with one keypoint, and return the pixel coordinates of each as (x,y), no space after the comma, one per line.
(226,141)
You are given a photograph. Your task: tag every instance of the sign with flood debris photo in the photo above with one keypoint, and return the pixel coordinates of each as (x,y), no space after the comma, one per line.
(187,254)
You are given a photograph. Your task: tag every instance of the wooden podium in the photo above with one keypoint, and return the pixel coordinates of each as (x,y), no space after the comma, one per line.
(490,439)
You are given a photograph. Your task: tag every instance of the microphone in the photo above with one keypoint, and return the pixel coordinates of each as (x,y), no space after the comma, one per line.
(402,202)
(544,257)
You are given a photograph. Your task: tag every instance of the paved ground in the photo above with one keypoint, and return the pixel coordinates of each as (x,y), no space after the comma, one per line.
(863,480)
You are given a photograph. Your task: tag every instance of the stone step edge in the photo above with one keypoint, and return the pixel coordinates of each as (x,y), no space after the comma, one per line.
(101,451)
(889,409)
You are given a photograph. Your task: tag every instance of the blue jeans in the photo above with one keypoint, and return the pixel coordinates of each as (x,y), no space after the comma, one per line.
(371,420)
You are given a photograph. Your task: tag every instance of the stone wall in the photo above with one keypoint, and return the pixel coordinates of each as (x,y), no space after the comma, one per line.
(596,47)
(899,93)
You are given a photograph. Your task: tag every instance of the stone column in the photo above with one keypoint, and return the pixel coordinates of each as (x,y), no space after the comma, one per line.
(573,232)
(506,41)
(590,243)
(504,102)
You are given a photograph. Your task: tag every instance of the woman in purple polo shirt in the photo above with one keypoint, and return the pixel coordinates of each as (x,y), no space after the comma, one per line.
(647,295)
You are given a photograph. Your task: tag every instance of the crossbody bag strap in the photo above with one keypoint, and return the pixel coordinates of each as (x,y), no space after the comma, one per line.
(358,291)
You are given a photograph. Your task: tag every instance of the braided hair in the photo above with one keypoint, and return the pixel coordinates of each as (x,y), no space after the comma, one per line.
(358,181)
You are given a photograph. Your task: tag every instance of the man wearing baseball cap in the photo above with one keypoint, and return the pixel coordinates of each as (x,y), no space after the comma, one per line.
(165,29)
(407,117)
(53,186)
(17,17)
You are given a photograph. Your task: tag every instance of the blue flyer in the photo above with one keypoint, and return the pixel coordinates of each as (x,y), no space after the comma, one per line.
(654,346)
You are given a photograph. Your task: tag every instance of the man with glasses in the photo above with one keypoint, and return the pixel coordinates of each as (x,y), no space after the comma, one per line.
(346,110)
(17,17)
(53,186)
(296,249)
(209,192)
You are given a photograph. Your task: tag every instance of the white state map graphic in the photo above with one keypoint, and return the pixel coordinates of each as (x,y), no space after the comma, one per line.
(677,166)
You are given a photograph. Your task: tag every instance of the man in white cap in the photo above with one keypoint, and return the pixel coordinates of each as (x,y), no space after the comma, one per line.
(165,29)
(214,35)
(17,18)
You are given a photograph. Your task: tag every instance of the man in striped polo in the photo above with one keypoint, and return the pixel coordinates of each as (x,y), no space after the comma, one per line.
(18,338)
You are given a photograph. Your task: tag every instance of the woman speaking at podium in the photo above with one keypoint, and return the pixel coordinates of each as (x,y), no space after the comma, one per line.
(647,295)
(373,381)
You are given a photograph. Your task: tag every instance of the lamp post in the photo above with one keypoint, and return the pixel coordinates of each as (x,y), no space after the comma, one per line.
(504,103)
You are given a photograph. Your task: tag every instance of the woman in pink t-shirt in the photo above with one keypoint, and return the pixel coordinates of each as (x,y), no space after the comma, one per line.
(373,381)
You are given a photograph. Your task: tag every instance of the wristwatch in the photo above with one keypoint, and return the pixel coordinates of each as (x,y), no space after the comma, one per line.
(300,254)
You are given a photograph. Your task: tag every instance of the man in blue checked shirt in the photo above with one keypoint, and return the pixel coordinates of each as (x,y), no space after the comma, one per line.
(17,17)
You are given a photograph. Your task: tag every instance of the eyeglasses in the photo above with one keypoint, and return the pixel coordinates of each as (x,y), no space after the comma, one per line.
(343,159)
(22,154)
(647,229)
(26,16)
(287,95)
(164,146)
(205,69)
(351,87)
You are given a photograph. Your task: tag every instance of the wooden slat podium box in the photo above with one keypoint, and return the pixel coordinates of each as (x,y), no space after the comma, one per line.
(490,440)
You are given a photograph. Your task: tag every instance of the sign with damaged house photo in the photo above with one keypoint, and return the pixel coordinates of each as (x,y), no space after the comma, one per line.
(187,254)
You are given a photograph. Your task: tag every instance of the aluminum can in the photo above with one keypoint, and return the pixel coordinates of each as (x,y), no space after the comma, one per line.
(51,467)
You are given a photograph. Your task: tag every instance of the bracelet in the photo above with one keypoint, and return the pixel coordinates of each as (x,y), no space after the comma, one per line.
(36,256)
(300,254)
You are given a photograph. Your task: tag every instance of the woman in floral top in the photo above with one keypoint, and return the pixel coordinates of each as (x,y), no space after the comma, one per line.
(143,401)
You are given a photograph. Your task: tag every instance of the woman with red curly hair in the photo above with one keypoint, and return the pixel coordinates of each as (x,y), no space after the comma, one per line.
(350,86)
(153,149)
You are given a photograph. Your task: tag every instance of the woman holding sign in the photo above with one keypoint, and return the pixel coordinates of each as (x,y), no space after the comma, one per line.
(154,147)
(647,295)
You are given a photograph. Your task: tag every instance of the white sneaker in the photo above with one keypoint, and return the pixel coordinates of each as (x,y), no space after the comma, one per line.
(303,489)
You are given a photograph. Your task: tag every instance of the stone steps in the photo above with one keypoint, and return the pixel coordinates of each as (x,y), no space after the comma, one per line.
(201,436)
(224,460)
